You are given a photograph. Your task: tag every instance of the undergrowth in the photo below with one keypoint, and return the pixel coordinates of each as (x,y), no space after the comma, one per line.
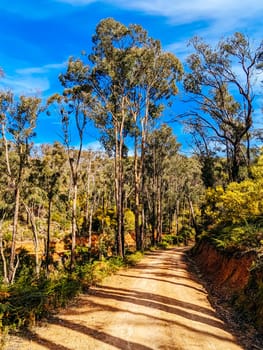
(30,299)
(242,236)
(183,237)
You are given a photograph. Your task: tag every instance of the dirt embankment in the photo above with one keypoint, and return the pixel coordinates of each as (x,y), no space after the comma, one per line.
(226,270)
(234,277)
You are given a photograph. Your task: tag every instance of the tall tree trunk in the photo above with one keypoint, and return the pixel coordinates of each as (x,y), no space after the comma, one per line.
(35,237)
(12,265)
(159,210)
(47,262)
(5,276)
(191,207)
(137,197)
(119,192)
(235,162)
(74,222)
(90,227)
(142,189)
(153,221)
(248,156)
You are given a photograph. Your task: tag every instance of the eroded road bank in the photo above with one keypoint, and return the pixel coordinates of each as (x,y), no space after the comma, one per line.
(156,305)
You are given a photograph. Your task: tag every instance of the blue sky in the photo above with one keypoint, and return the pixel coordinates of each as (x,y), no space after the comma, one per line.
(38,36)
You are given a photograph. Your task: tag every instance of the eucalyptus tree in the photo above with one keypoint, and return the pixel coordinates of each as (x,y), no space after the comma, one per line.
(6,179)
(5,212)
(220,83)
(75,106)
(93,188)
(184,192)
(157,75)
(52,180)
(113,43)
(161,147)
(33,202)
(192,188)
(133,76)
(18,121)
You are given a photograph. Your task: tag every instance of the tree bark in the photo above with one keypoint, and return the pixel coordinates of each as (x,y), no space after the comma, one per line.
(12,266)
(5,276)
(47,262)
(35,237)
(74,223)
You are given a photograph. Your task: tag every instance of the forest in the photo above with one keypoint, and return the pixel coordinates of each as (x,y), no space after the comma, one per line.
(70,214)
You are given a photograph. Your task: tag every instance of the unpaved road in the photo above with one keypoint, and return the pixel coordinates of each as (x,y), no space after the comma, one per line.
(157,305)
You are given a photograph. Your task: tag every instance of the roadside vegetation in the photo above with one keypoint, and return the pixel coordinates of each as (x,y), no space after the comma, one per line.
(233,216)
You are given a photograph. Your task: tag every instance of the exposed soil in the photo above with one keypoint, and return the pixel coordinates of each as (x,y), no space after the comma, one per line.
(229,280)
(228,271)
(158,304)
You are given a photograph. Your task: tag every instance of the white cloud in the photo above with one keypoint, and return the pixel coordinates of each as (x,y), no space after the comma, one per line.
(183,11)
(25,85)
(180,49)
(31,80)
(41,70)
(219,17)
(93,146)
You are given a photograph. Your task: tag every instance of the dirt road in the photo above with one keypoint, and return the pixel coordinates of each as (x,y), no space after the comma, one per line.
(157,305)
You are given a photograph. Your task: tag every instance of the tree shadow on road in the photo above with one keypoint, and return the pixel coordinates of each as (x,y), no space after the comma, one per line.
(99,335)
(48,344)
(161,303)
(165,281)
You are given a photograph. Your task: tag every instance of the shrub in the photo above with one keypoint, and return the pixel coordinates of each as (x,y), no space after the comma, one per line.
(30,299)
(133,259)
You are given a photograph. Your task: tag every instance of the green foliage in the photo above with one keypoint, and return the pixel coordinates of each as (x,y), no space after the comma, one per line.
(169,239)
(234,216)
(30,299)
(222,115)
(133,259)
(104,268)
(163,245)
(236,236)
(104,221)
(185,234)
(94,272)
(129,220)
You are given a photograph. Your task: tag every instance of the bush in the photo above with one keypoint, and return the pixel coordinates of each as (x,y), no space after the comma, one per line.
(244,236)
(30,299)
(163,245)
(133,259)
(169,239)
(185,234)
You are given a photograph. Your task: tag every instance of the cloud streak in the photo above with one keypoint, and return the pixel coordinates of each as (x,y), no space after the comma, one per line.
(183,11)
(219,17)
(42,70)
(32,80)
(25,85)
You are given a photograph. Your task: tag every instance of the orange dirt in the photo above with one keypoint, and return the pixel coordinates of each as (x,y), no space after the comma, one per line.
(225,270)
(156,305)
